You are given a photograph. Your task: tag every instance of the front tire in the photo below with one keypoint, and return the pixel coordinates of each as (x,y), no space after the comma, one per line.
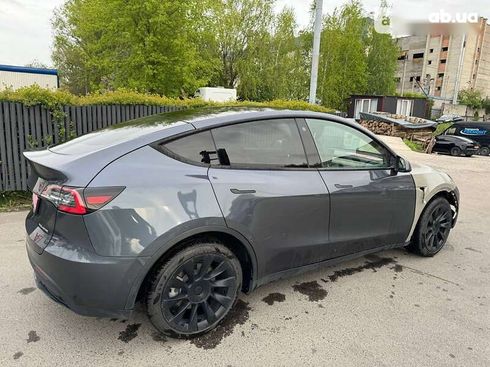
(455,151)
(433,228)
(194,290)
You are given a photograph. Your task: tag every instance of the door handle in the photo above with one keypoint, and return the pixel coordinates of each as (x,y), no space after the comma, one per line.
(237,191)
(340,186)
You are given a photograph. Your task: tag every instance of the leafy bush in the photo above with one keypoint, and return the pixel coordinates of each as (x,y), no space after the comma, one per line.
(53,99)
(414,145)
(14,200)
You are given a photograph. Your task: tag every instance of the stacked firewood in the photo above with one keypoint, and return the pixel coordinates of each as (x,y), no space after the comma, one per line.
(391,129)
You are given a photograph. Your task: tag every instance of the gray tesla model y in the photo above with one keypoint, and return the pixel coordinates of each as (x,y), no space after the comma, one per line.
(184,210)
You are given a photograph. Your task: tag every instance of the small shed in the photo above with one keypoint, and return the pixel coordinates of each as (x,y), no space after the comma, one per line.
(16,77)
(407,106)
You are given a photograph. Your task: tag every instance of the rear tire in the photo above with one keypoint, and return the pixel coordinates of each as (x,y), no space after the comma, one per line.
(194,290)
(455,151)
(433,228)
(484,151)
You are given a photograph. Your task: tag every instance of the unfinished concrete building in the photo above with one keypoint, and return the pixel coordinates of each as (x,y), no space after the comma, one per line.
(442,65)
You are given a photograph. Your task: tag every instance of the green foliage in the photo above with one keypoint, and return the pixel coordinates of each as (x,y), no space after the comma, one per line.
(471,98)
(441,128)
(343,63)
(14,200)
(486,105)
(34,95)
(172,47)
(354,58)
(147,45)
(49,99)
(274,65)
(414,145)
(381,63)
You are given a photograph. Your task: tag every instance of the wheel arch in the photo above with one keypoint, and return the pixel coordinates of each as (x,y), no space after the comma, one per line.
(233,240)
(450,195)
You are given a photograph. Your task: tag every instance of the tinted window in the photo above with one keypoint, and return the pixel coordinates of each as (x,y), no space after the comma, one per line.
(262,143)
(341,146)
(450,131)
(196,147)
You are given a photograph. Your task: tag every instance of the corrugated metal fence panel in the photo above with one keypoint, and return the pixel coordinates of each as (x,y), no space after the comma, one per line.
(25,128)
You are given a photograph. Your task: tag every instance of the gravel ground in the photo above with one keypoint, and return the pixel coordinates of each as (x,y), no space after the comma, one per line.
(393,309)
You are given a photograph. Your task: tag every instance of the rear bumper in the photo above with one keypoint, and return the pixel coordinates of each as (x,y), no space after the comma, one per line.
(87,284)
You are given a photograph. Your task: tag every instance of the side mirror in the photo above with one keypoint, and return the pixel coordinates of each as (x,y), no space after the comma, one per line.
(402,165)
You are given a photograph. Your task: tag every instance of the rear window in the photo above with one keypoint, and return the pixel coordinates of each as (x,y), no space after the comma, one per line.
(196,147)
(266,143)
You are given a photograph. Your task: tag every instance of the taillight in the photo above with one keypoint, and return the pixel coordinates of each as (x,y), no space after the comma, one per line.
(97,197)
(76,200)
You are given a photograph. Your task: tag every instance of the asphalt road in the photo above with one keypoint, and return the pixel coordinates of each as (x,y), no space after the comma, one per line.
(395,309)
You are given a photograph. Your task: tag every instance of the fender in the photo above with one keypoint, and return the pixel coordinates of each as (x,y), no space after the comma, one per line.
(147,262)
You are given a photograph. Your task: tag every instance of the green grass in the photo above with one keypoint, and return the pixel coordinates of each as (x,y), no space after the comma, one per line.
(441,127)
(415,146)
(14,200)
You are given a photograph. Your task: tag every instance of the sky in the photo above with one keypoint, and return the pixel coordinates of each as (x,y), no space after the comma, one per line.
(26,33)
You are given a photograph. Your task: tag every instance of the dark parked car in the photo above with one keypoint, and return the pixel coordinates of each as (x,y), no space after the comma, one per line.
(184,210)
(477,131)
(455,145)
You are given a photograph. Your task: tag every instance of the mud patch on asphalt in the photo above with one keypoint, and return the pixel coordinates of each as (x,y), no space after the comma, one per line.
(274,297)
(397,268)
(374,263)
(312,289)
(25,291)
(237,316)
(158,337)
(32,337)
(129,333)
(18,355)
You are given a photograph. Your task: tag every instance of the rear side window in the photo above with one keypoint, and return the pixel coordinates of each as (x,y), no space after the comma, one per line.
(266,143)
(198,148)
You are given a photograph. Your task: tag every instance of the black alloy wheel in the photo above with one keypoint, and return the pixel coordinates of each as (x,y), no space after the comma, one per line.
(433,228)
(195,290)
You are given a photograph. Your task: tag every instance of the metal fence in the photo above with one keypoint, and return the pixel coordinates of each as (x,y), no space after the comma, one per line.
(32,127)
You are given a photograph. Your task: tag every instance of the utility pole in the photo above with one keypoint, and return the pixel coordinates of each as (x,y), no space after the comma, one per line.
(317,30)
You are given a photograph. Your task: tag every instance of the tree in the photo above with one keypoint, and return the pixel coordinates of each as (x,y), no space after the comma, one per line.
(276,66)
(143,45)
(343,65)
(381,63)
(471,98)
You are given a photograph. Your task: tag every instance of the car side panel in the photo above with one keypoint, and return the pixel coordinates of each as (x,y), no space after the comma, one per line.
(162,197)
(369,208)
(284,214)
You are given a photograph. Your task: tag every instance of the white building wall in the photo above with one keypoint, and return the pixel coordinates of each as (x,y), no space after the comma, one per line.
(16,80)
